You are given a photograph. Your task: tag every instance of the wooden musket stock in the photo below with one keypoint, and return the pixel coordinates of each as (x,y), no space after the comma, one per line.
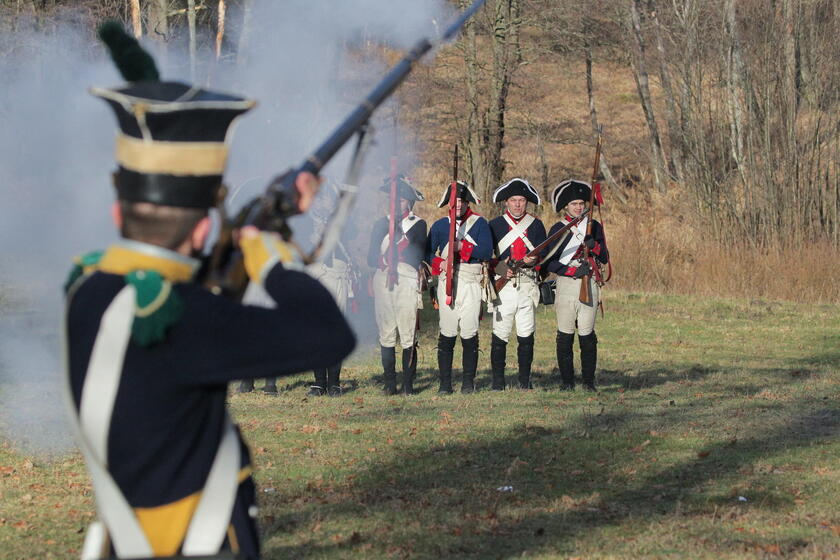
(585,295)
(516,265)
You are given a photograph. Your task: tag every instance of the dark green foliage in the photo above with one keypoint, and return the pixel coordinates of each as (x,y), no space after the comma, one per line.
(133,62)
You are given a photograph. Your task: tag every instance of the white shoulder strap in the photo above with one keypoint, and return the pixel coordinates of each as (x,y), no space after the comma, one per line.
(407,223)
(517,231)
(94,420)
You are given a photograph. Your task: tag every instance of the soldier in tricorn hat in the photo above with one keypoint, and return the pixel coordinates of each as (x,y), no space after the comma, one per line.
(398,299)
(515,234)
(150,352)
(565,259)
(473,248)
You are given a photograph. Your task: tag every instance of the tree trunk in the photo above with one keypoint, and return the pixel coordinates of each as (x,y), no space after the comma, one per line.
(640,75)
(136,24)
(676,152)
(158,26)
(476,128)
(220,29)
(191,24)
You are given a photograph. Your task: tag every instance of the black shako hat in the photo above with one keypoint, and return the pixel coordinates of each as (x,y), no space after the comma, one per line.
(405,189)
(516,187)
(171,148)
(464,192)
(569,190)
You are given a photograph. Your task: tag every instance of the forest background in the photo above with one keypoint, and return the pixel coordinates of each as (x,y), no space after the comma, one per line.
(721,162)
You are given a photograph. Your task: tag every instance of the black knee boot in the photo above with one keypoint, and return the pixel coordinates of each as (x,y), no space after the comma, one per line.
(469,363)
(588,359)
(334,380)
(409,367)
(446,349)
(565,360)
(320,386)
(389,366)
(270,386)
(498,349)
(525,355)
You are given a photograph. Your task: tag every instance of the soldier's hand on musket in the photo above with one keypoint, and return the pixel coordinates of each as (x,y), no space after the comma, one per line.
(590,242)
(509,272)
(529,261)
(583,270)
(261,250)
(307,186)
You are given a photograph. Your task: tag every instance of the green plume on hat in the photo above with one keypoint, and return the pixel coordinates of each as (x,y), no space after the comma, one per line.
(133,62)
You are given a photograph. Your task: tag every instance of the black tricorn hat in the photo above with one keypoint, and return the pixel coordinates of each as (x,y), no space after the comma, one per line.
(464,192)
(172,144)
(516,187)
(569,190)
(405,189)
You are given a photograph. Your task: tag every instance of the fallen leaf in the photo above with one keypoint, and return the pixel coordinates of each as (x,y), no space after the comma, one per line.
(641,446)
(703,454)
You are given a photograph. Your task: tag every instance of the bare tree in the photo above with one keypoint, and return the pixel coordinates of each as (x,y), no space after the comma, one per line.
(640,75)
(487,103)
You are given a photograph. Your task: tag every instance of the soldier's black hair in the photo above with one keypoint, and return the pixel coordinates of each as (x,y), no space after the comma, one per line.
(133,62)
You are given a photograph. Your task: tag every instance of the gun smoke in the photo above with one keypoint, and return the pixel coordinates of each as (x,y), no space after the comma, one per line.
(304,62)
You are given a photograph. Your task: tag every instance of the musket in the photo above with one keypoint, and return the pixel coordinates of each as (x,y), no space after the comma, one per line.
(450,255)
(271,210)
(585,295)
(516,265)
(392,228)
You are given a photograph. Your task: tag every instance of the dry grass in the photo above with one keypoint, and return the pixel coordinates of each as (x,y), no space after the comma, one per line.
(658,242)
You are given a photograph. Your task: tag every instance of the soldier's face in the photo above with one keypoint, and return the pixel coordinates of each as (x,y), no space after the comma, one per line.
(575,208)
(517,206)
(405,206)
(461,206)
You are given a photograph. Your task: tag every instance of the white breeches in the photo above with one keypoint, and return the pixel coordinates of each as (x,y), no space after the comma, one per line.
(570,311)
(518,302)
(465,310)
(396,309)
(335,278)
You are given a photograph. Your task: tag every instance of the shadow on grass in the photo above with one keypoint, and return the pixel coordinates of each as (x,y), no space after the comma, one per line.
(563,486)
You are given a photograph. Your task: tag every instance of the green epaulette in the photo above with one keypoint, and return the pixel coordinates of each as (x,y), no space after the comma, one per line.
(157,307)
(81,266)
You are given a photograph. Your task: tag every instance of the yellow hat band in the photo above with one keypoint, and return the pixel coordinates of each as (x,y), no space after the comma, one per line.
(171,158)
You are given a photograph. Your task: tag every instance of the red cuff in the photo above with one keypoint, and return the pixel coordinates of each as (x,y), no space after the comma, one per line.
(570,271)
(436,262)
(596,250)
(466,250)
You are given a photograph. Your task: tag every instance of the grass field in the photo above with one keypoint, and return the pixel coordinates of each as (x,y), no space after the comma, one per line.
(714,435)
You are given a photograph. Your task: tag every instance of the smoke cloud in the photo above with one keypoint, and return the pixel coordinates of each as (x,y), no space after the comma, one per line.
(306,64)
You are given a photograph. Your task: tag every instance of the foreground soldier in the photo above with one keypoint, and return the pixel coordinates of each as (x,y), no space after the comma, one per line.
(397,306)
(474,247)
(150,353)
(515,233)
(565,259)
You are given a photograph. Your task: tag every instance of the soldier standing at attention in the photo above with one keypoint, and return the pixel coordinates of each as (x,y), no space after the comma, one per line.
(474,247)
(335,272)
(565,259)
(515,233)
(150,352)
(397,301)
